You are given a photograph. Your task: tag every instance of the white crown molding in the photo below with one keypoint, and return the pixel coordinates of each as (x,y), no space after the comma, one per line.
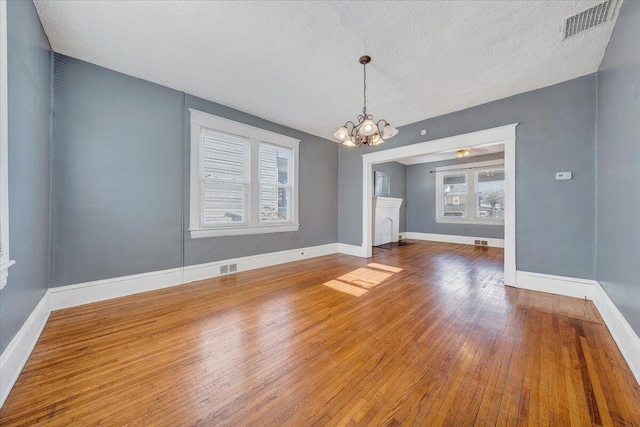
(448,238)
(15,356)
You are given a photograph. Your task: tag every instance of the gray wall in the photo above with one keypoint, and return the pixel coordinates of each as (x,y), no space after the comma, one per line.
(555,221)
(398,179)
(618,163)
(117,174)
(120,179)
(29,96)
(421,197)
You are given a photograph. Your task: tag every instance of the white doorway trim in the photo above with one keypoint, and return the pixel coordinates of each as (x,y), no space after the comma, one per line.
(503,134)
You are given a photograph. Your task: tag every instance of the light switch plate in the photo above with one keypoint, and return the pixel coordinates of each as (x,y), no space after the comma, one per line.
(561,176)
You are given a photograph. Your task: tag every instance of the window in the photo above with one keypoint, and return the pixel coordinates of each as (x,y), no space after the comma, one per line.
(490,193)
(275,186)
(243,179)
(5,261)
(472,193)
(224,179)
(454,190)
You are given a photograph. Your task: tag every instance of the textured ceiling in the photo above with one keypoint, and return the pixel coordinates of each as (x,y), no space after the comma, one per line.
(296,63)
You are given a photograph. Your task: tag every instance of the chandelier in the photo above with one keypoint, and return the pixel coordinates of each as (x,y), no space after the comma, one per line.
(365,131)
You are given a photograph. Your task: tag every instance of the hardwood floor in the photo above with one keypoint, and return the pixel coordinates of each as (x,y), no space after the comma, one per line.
(424,334)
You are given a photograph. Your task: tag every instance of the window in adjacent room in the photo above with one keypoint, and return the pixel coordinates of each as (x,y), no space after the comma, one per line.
(471,193)
(244,180)
(454,195)
(489,184)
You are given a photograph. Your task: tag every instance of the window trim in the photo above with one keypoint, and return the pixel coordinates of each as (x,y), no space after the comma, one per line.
(470,170)
(5,259)
(200,120)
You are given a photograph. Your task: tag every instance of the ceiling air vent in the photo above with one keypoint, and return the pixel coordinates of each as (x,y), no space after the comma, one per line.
(592,17)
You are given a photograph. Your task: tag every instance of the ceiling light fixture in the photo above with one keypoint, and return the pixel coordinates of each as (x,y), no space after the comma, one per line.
(366,131)
(461,153)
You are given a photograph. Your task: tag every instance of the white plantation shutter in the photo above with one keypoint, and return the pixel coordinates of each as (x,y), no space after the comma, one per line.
(275,166)
(243,179)
(224,178)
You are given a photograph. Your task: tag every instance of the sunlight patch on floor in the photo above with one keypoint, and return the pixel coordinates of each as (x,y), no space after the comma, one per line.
(365,277)
(346,288)
(360,280)
(384,267)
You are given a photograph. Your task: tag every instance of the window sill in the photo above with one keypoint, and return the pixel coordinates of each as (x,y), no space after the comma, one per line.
(4,272)
(468,221)
(201,233)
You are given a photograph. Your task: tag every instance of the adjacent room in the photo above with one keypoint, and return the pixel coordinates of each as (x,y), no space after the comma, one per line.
(312,213)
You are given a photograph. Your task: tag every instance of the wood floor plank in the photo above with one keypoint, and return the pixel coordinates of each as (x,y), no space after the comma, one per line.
(433,338)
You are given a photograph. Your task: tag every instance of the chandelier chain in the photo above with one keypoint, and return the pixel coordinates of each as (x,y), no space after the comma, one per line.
(364,110)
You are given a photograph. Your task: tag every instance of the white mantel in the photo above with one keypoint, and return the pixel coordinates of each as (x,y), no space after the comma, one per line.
(386,220)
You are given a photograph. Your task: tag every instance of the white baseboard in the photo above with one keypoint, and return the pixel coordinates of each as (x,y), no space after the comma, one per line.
(447,238)
(624,336)
(209,270)
(559,285)
(352,250)
(15,356)
(622,333)
(100,290)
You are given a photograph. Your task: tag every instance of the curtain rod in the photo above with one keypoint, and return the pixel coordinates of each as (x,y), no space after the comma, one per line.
(453,170)
(464,169)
